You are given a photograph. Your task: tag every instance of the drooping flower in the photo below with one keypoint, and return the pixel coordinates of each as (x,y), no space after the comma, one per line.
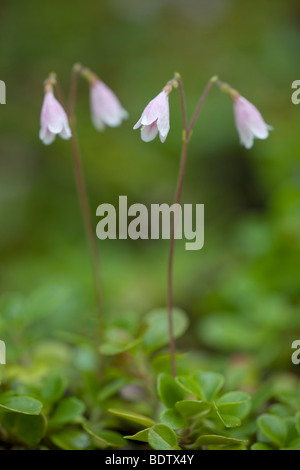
(106,109)
(54,120)
(249,122)
(155,118)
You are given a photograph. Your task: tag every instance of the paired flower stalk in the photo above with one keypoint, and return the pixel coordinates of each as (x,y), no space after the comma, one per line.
(155,117)
(58,119)
(106,110)
(155,120)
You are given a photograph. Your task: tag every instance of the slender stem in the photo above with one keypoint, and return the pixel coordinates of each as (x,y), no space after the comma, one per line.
(171,256)
(82,192)
(187,129)
(86,215)
(182,103)
(201,102)
(73,91)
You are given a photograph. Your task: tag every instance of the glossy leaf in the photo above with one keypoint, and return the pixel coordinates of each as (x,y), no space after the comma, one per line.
(21,404)
(173,419)
(139,436)
(190,408)
(216,440)
(69,410)
(132,416)
(162,437)
(234,403)
(27,429)
(104,438)
(71,439)
(210,383)
(168,390)
(273,428)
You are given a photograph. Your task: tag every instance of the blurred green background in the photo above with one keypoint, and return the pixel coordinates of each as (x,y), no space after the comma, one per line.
(241,291)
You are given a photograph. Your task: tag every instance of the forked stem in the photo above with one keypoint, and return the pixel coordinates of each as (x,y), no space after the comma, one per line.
(187,130)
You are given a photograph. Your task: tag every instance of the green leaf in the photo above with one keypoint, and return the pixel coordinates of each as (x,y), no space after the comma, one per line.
(294,445)
(117,341)
(227,332)
(28,429)
(297,422)
(189,385)
(282,411)
(21,404)
(104,438)
(232,398)
(190,408)
(168,390)
(216,440)
(132,416)
(234,403)
(71,439)
(292,433)
(172,419)
(110,389)
(69,410)
(273,428)
(139,436)
(210,384)
(162,437)
(52,389)
(229,421)
(260,446)
(112,438)
(157,332)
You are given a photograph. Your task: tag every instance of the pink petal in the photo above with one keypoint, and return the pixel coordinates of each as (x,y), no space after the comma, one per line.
(249,122)
(66,132)
(46,136)
(53,120)
(55,126)
(105,106)
(138,124)
(149,133)
(155,118)
(157,107)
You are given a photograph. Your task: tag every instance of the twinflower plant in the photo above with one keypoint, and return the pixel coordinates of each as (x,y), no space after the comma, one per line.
(155,120)
(58,118)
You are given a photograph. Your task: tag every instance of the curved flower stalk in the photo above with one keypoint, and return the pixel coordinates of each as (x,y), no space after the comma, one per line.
(54,120)
(57,119)
(155,120)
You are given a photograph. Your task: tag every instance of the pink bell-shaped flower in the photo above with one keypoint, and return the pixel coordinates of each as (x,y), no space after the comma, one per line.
(249,122)
(106,109)
(54,120)
(155,118)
